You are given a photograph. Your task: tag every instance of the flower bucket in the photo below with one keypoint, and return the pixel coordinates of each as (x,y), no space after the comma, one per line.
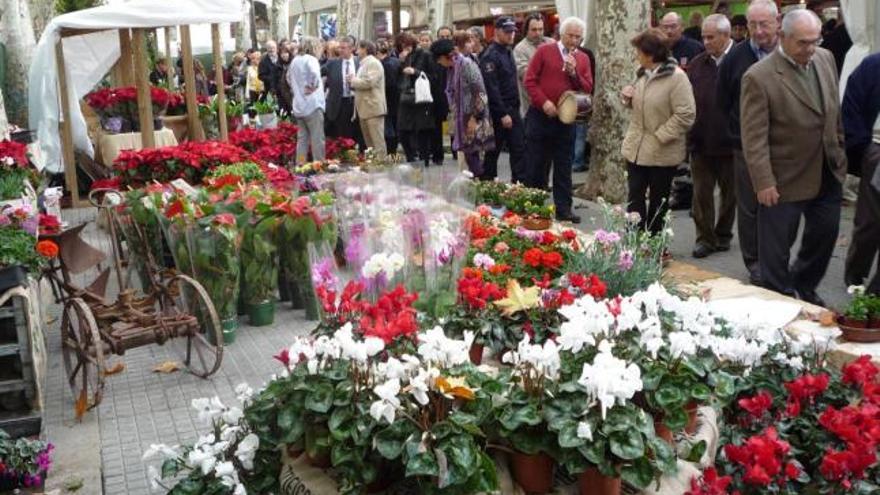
(498,211)
(476,354)
(268,121)
(593,482)
(259,261)
(262,314)
(283,287)
(532,472)
(230,328)
(853,333)
(309,300)
(296,298)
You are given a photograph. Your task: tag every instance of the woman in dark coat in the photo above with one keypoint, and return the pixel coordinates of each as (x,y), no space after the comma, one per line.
(414,121)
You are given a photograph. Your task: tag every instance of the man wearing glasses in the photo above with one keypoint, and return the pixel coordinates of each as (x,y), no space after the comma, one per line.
(792,141)
(763,21)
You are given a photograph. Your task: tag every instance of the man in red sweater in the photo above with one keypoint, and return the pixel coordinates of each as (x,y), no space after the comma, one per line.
(555,68)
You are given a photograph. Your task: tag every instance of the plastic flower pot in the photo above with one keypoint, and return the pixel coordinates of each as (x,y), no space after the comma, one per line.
(476,354)
(12,276)
(691,409)
(262,314)
(664,432)
(593,482)
(113,125)
(532,472)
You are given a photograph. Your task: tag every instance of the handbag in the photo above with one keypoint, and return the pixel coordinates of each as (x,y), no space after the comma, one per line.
(423,90)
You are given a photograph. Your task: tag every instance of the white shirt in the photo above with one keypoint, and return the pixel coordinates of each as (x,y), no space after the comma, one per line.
(726,51)
(347,67)
(305,74)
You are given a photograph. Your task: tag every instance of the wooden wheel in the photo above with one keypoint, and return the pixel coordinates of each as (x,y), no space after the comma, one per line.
(202,350)
(83,353)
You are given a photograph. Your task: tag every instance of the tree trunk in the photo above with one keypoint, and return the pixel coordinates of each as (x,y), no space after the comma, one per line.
(4,125)
(42,12)
(243,28)
(279,19)
(617,21)
(18,35)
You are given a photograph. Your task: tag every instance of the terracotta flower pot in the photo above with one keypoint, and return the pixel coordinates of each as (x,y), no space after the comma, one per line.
(692,425)
(853,333)
(533,473)
(593,482)
(664,432)
(853,323)
(476,354)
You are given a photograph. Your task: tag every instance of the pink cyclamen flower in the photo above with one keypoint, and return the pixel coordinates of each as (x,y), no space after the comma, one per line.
(484,261)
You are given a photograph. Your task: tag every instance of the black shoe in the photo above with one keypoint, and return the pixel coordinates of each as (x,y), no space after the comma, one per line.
(579,168)
(568,217)
(811,297)
(701,251)
(723,246)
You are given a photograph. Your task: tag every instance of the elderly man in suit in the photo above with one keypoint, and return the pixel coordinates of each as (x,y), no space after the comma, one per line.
(340,117)
(793,145)
(369,97)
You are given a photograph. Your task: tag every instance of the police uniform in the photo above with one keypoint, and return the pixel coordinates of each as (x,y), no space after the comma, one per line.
(499,75)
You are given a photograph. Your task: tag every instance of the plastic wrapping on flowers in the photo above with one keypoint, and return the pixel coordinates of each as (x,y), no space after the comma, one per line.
(143,233)
(259,260)
(207,249)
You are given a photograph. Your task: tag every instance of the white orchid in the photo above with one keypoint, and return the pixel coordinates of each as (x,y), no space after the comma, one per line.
(610,380)
(388,402)
(383,263)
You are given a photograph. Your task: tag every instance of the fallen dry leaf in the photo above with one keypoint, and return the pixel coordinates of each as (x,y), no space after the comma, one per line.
(518,299)
(167,367)
(81,405)
(117,368)
(826,319)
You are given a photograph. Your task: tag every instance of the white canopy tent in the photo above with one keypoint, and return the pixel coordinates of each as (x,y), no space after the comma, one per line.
(90,45)
(862,18)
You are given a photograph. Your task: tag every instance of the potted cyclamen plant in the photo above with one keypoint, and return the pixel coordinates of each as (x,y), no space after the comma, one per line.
(860,321)
(25,464)
(519,415)
(490,193)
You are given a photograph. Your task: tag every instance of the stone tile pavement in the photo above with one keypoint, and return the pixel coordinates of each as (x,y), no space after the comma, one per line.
(141,407)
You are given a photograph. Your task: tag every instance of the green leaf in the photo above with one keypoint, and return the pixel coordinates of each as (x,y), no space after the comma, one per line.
(170,468)
(595,451)
(320,397)
(639,473)
(422,464)
(697,451)
(513,416)
(627,445)
(725,385)
(701,393)
(669,395)
(339,423)
(568,437)
(676,418)
(388,443)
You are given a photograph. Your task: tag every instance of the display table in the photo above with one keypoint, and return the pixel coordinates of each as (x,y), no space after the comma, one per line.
(110,145)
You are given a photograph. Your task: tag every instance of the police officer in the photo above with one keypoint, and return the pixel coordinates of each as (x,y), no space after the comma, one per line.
(499,75)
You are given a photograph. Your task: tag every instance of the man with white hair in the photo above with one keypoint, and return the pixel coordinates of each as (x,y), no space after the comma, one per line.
(304,77)
(270,69)
(793,146)
(683,48)
(711,153)
(763,20)
(555,69)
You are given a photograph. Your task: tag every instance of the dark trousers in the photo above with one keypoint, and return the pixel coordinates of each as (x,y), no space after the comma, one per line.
(343,126)
(746,216)
(437,151)
(417,145)
(391,139)
(548,144)
(655,183)
(777,232)
(707,172)
(865,245)
(516,147)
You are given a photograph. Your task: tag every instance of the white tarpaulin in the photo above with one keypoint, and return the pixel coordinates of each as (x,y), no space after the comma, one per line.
(89,57)
(862,18)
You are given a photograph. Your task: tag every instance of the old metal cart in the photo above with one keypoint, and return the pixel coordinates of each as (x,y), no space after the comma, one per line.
(172,309)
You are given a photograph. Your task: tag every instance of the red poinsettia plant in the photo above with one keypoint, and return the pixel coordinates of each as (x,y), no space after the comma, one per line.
(817,432)
(122,101)
(13,155)
(190,161)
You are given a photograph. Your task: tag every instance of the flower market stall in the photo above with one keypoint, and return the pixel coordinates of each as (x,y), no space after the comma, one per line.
(76,51)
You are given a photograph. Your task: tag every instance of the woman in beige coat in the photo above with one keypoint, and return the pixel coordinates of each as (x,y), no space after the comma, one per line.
(662,111)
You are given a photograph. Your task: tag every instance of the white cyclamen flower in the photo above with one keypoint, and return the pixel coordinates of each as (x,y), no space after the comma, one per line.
(243,392)
(682,344)
(209,409)
(610,380)
(232,415)
(584,431)
(202,459)
(388,401)
(436,347)
(154,477)
(247,450)
(586,320)
(160,448)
